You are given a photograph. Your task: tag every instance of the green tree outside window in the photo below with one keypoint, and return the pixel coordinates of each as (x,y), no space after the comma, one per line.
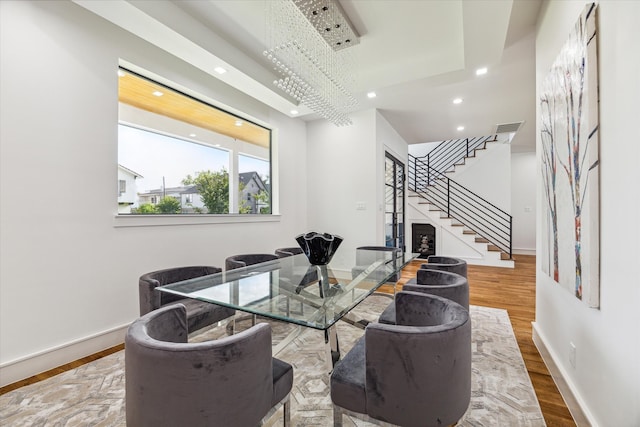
(213,188)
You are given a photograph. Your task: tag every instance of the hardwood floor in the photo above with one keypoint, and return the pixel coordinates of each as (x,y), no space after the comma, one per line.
(509,289)
(515,291)
(60,369)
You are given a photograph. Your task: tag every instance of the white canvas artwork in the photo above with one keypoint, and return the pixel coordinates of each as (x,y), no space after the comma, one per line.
(570,164)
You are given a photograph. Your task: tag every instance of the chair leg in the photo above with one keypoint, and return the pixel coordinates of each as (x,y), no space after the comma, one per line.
(286,410)
(337,416)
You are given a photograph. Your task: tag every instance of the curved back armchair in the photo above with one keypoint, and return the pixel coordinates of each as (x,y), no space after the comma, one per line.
(285,252)
(415,373)
(242,260)
(305,275)
(364,257)
(446,263)
(233,381)
(434,282)
(199,313)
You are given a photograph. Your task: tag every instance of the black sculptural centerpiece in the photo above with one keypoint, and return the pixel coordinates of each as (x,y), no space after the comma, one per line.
(319,247)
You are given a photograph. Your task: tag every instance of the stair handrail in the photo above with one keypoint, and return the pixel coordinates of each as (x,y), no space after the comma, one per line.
(450,152)
(460,203)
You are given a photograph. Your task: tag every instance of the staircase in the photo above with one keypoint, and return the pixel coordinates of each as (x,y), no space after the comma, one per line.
(481,231)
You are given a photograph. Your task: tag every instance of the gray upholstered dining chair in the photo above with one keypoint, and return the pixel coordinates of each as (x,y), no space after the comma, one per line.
(242,260)
(199,313)
(365,255)
(285,252)
(434,282)
(305,276)
(233,381)
(414,373)
(446,263)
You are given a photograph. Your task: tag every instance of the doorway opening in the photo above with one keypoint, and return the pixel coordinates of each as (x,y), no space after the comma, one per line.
(394,179)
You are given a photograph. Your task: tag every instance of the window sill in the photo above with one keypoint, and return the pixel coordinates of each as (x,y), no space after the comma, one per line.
(185,219)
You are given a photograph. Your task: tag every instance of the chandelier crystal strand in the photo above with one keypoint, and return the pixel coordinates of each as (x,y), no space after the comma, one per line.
(308,69)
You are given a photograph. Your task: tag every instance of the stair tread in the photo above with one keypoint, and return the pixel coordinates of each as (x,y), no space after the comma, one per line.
(433,186)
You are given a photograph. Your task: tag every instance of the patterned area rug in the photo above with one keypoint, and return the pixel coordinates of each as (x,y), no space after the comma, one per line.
(93,394)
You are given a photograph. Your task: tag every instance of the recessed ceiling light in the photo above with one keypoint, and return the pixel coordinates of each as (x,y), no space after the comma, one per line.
(157,93)
(294,112)
(371,95)
(217,145)
(192,135)
(238,122)
(121,73)
(457,101)
(460,127)
(481,71)
(219,70)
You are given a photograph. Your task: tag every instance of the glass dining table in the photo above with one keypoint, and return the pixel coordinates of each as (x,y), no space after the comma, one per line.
(292,290)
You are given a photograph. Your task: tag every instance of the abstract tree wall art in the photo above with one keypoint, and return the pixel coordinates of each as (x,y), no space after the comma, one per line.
(569,138)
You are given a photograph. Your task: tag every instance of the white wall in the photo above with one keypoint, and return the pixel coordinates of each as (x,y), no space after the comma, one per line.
(390,141)
(346,168)
(523,201)
(606,378)
(340,172)
(421,150)
(489,174)
(68,277)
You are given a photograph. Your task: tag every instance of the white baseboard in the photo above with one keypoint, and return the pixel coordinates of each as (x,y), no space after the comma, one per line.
(487,262)
(524,251)
(33,364)
(574,401)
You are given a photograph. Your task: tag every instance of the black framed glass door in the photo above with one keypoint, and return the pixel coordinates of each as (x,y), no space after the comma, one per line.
(394,178)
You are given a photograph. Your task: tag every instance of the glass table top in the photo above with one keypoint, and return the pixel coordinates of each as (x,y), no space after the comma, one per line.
(292,290)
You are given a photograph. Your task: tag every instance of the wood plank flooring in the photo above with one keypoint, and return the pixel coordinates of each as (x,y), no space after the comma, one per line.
(509,289)
(60,369)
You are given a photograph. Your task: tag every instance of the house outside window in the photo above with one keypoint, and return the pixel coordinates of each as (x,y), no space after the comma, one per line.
(126,189)
(188,150)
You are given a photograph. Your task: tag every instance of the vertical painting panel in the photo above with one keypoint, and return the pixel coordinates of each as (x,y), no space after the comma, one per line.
(570,248)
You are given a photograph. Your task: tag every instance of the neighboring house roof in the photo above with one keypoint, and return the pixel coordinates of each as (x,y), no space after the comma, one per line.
(188,189)
(246,177)
(191,189)
(136,174)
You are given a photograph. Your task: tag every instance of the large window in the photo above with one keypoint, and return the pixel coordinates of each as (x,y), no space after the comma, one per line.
(179,155)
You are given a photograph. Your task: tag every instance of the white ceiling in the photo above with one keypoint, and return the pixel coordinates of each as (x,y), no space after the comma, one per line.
(417,55)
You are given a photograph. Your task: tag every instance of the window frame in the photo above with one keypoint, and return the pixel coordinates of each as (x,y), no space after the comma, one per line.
(126,220)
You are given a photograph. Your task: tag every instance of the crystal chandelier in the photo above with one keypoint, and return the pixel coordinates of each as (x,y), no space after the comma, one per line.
(307,49)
